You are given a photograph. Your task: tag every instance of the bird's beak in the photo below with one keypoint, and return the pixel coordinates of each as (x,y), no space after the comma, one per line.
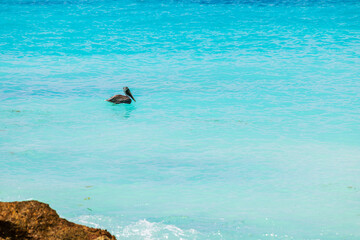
(130,95)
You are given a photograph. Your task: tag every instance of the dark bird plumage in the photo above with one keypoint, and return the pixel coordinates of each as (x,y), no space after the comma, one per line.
(117,99)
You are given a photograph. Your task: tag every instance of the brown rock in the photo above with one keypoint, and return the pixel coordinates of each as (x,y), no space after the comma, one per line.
(33,220)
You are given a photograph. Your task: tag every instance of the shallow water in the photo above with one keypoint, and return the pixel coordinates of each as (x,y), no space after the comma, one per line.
(246,124)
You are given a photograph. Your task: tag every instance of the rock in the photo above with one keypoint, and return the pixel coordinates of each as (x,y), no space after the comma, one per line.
(33,220)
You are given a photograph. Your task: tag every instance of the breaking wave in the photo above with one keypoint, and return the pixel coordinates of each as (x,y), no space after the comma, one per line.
(141,229)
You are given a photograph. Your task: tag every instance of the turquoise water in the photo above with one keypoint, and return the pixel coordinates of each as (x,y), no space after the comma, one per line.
(246,124)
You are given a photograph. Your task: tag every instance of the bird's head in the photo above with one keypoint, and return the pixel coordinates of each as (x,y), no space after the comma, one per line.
(128,93)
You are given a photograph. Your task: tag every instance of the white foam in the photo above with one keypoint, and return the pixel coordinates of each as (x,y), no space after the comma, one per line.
(151,231)
(141,229)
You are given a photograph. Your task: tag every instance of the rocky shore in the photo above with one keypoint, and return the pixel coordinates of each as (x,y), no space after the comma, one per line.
(33,220)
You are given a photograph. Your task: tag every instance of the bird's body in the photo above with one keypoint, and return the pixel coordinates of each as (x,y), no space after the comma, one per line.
(117,99)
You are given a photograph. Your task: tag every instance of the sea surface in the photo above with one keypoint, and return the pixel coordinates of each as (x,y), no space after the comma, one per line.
(246,123)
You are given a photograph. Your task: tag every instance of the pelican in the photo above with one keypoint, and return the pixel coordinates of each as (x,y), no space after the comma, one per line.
(121,98)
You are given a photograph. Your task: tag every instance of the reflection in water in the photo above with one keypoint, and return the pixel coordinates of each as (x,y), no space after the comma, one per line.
(122,110)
